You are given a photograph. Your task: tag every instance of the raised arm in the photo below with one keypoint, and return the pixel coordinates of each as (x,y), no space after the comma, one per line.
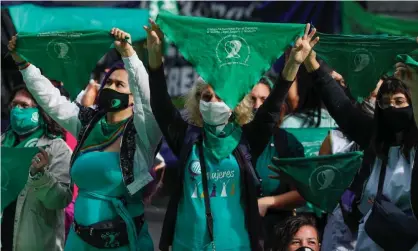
(259,131)
(168,117)
(144,120)
(352,120)
(46,95)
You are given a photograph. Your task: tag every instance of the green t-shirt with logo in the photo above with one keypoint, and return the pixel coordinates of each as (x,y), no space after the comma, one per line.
(191,232)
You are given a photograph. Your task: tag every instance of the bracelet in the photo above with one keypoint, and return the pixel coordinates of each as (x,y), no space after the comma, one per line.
(19,64)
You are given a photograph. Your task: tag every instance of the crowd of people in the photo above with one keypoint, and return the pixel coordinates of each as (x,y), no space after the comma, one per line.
(222,193)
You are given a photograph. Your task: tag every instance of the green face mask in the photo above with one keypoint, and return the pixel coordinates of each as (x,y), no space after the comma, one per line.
(24,121)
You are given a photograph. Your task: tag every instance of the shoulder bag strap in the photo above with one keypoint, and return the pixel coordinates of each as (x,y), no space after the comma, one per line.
(208,211)
(381,178)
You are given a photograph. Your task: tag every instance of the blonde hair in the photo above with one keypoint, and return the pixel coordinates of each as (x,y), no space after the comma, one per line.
(243,111)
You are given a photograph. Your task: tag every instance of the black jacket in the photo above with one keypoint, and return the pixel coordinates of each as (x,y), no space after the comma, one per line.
(181,137)
(358,126)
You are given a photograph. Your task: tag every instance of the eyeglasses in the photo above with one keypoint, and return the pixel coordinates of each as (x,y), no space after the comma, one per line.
(398,102)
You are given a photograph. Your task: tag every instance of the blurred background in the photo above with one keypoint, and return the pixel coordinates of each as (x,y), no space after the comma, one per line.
(389,17)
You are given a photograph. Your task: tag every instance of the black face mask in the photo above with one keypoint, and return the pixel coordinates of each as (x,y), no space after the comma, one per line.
(113,101)
(397,119)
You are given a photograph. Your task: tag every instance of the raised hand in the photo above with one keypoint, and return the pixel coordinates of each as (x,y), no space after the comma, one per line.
(12,48)
(303,46)
(122,42)
(155,38)
(406,74)
(39,162)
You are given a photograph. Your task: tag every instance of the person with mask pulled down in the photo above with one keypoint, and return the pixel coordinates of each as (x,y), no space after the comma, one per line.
(35,220)
(116,147)
(297,233)
(214,198)
(383,184)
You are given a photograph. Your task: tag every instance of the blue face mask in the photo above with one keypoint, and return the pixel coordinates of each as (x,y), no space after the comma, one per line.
(24,121)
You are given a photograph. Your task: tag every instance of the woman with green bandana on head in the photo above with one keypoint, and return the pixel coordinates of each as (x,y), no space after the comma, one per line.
(213,204)
(35,220)
(116,147)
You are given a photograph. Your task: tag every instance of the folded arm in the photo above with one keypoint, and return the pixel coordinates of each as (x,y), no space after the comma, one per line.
(58,107)
(53,187)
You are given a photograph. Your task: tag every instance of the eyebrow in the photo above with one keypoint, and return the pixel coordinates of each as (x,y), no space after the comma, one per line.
(114,80)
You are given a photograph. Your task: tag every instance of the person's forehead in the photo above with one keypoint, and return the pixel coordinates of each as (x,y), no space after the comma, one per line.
(396,95)
(22,95)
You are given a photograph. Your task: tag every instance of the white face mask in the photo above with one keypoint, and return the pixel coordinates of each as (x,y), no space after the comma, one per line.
(215,113)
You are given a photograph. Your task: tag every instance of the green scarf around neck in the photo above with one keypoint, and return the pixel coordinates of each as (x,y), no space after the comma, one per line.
(220,145)
(103,135)
(10,138)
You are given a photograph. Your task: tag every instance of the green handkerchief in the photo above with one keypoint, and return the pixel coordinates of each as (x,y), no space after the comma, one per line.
(362,59)
(321,180)
(229,55)
(311,138)
(15,163)
(69,57)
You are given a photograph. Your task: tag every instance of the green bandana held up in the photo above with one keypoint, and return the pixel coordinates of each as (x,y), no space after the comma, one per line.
(321,180)
(362,59)
(69,57)
(220,145)
(229,55)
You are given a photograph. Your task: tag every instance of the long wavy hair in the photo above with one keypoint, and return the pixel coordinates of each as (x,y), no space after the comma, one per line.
(382,138)
(243,112)
(52,127)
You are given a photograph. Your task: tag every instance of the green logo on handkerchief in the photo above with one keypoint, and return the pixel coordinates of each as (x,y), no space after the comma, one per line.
(324,177)
(361,59)
(233,49)
(60,49)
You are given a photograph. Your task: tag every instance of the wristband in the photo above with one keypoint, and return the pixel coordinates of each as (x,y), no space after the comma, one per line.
(19,64)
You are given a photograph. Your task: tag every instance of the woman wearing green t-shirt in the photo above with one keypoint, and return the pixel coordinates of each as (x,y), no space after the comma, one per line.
(216,210)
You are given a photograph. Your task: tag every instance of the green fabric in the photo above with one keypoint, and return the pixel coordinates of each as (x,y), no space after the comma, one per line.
(9,139)
(224,183)
(321,180)
(356,20)
(220,145)
(362,59)
(311,138)
(268,186)
(15,163)
(103,134)
(231,56)
(36,19)
(69,57)
(408,60)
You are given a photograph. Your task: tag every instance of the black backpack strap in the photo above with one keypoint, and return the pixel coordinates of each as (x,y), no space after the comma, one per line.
(208,211)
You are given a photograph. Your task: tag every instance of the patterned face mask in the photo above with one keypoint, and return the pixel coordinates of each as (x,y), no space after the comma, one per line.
(24,121)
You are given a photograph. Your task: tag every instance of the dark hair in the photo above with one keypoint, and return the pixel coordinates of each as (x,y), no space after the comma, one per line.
(382,137)
(52,127)
(119,65)
(310,102)
(287,229)
(266,81)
